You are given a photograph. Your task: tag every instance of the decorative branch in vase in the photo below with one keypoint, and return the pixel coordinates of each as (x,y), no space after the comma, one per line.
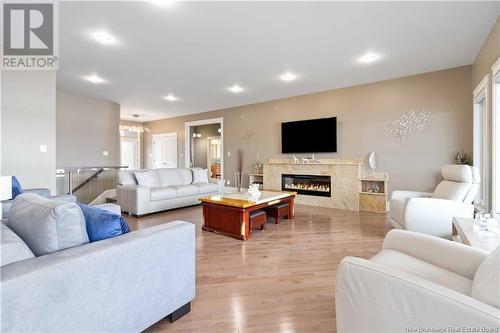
(245,138)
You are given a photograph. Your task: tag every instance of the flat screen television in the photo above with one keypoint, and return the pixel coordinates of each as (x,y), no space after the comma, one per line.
(309,136)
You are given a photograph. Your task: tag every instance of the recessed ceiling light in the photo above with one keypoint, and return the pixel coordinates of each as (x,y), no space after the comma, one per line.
(368,58)
(170,98)
(94,79)
(235,89)
(288,77)
(104,37)
(163,3)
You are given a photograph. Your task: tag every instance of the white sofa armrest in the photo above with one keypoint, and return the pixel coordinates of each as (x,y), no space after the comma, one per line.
(220,184)
(373,298)
(434,216)
(403,195)
(458,258)
(133,199)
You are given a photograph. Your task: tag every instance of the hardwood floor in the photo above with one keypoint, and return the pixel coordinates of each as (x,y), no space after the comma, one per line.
(281,280)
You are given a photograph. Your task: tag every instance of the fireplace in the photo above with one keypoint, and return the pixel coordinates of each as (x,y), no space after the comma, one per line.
(307,184)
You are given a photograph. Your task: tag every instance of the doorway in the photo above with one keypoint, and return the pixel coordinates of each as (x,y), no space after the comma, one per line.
(129,153)
(214,153)
(204,146)
(165,150)
(130,149)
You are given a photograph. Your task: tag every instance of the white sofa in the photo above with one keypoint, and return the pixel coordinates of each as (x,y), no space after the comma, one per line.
(173,188)
(419,282)
(432,213)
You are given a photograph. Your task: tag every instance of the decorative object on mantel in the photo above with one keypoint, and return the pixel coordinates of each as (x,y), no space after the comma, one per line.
(245,138)
(462,158)
(373,162)
(306,160)
(258,166)
(409,121)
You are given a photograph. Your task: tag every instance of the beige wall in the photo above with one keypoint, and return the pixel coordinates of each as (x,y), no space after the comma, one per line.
(363,113)
(486,57)
(28,121)
(86,127)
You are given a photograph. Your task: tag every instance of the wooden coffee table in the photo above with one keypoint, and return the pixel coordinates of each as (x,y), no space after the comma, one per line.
(228,214)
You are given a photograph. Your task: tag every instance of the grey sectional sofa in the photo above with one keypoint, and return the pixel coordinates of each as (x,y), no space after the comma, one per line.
(173,189)
(122,284)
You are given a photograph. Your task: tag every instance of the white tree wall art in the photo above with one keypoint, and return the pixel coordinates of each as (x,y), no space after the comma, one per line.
(409,122)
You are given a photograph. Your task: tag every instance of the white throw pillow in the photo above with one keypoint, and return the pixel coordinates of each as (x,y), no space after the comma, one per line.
(200,175)
(145,178)
(486,284)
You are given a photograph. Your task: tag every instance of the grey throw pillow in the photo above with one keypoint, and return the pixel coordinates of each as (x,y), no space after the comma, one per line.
(46,225)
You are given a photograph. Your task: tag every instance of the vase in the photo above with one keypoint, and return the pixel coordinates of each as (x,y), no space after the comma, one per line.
(237,176)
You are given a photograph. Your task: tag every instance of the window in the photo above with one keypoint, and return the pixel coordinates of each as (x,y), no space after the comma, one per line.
(481,146)
(496,138)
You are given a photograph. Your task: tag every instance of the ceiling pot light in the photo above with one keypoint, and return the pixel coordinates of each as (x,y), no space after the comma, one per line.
(104,37)
(94,79)
(163,3)
(288,76)
(235,89)
(170,98)
(194,135)
(219,130)
(368,58)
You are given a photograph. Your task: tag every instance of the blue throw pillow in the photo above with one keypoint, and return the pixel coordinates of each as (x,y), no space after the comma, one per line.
(102,224)
(16,187)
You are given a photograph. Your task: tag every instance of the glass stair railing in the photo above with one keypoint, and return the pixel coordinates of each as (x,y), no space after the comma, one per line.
(89,184)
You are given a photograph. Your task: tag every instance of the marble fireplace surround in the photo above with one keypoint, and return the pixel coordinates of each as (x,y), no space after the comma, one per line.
(345,180)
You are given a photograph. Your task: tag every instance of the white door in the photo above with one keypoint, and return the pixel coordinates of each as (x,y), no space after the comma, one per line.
(165,150)
(129,153)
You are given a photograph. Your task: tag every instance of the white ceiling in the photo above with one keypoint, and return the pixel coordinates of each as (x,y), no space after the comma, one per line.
(196,50)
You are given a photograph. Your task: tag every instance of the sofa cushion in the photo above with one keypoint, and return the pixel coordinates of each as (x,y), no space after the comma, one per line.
(451,190)
(46,225)
(207,188)
(457,173)
(147,178)
(423,269)
(187,190)
(162,193)
(12,248)
(174,177)
(485,286)
(126,177)
(16,187)
(102,224)
(200,176)
(397,210)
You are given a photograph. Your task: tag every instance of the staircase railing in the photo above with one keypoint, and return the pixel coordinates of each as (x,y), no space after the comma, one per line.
(87,183)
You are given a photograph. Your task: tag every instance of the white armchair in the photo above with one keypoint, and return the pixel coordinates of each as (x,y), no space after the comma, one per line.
(432,213)
(419,281)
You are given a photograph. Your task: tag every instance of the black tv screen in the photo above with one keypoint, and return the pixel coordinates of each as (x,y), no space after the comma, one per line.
(309,136)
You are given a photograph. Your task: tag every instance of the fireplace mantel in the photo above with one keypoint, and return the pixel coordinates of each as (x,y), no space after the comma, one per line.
(351,161)
(344,173)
